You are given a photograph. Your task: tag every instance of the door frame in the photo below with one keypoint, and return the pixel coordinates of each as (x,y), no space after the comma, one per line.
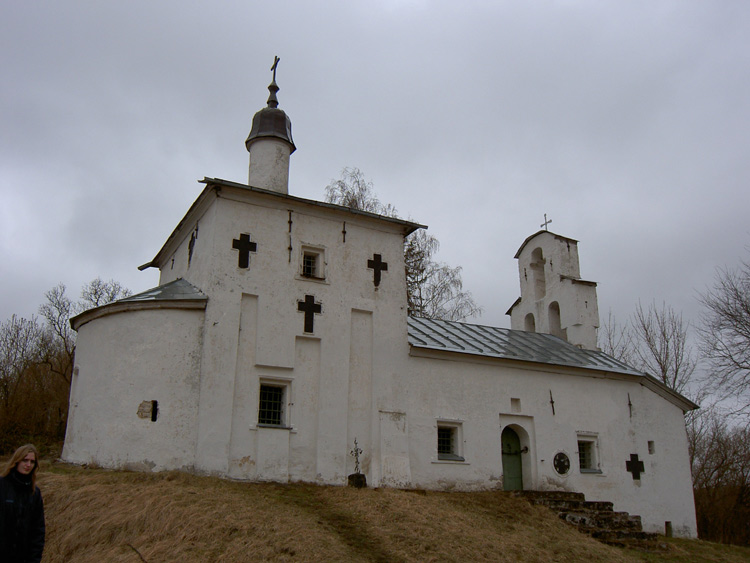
(523,426)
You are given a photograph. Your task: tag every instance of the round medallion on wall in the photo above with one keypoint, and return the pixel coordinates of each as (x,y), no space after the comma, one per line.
(561,463)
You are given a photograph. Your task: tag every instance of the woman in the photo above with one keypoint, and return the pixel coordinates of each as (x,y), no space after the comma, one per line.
(21,509)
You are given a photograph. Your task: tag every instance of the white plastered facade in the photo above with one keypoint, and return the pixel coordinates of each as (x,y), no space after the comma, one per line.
(347,370)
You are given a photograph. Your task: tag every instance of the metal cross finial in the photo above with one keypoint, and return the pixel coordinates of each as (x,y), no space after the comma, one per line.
(273,67)
(546,222)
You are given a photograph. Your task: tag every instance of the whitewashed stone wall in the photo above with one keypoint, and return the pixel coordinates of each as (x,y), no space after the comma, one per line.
(123,361)
(352,376)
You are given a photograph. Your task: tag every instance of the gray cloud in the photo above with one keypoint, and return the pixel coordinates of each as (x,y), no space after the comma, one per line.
(626,122)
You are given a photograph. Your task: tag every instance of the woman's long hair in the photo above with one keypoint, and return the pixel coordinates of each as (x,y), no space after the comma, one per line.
(21,453)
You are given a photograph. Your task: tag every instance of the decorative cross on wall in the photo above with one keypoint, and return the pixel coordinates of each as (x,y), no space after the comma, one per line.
(378,266)
(310,308)
(635,466)
(245,246)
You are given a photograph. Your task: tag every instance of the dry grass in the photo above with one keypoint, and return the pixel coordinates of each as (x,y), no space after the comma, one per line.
(95,515)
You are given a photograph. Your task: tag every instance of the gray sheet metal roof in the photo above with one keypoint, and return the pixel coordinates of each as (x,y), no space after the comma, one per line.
(178,294)
(508,344)
(178,290)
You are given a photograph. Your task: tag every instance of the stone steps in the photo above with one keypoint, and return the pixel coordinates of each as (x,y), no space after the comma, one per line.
(595,518)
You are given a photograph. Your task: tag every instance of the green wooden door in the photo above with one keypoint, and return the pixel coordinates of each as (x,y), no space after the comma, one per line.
(512,468)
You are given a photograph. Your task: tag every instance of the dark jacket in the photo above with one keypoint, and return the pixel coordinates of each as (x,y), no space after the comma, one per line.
(21,520)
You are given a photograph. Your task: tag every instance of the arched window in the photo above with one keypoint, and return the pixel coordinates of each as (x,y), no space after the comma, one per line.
(537,269)
(528,323)
(554,321)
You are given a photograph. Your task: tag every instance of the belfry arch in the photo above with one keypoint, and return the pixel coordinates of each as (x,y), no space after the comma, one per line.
(537,271)
(553,317)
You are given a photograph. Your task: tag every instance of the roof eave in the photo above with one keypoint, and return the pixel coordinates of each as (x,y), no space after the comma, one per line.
(215,185)
(407,226)
(536,234)
(121,306)
(649,381)
(187,218)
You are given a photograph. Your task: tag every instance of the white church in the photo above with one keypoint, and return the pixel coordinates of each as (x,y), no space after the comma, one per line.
(279,334)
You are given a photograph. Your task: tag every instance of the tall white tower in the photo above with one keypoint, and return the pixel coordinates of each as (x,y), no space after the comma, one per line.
(554,299)
(270,144)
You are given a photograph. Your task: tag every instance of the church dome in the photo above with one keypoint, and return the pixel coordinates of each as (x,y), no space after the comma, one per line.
(271,121)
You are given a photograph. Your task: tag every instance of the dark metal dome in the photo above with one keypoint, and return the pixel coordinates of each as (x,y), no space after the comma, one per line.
(271,121)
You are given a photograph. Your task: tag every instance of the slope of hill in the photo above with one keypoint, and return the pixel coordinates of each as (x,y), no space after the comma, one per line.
(95,515)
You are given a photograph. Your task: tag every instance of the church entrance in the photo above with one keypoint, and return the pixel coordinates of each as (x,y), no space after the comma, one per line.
(512,466)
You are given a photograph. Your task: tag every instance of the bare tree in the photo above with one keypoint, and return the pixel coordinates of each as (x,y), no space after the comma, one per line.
(97,293)
(725,334)
(355,191)
(720,463)
(36,362)
(616,340)
(20,348)
(434,290)
(57,311)
(655,340)
(662,347)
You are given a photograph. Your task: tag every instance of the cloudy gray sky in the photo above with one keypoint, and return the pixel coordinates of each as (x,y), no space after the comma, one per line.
(628,123)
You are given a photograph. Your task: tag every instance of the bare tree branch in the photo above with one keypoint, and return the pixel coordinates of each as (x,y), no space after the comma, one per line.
(725,334)
(663,348)
(617,340)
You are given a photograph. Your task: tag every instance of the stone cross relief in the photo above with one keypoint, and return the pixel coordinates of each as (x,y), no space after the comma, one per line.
(310,308)
(635,466)
(378,266)
(245,246)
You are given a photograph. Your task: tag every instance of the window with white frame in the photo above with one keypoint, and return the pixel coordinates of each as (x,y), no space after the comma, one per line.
(449,441)
(272,404)
(312,265)
(588,453)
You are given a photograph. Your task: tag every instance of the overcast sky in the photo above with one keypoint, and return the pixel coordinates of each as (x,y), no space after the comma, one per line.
(628,123)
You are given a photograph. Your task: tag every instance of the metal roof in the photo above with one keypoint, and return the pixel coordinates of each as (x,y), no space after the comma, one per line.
(178,290)
(507,344)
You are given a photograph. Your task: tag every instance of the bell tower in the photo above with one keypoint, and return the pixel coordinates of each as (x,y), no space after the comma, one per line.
(554,299)
(270,144)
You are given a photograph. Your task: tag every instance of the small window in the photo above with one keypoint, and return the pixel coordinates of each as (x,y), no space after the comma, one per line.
(651,447)
(449,442)
(588,454)
(310,265)
(313,263)
(271,405)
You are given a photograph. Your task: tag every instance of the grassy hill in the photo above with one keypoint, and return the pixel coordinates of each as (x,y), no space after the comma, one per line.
(98,516)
